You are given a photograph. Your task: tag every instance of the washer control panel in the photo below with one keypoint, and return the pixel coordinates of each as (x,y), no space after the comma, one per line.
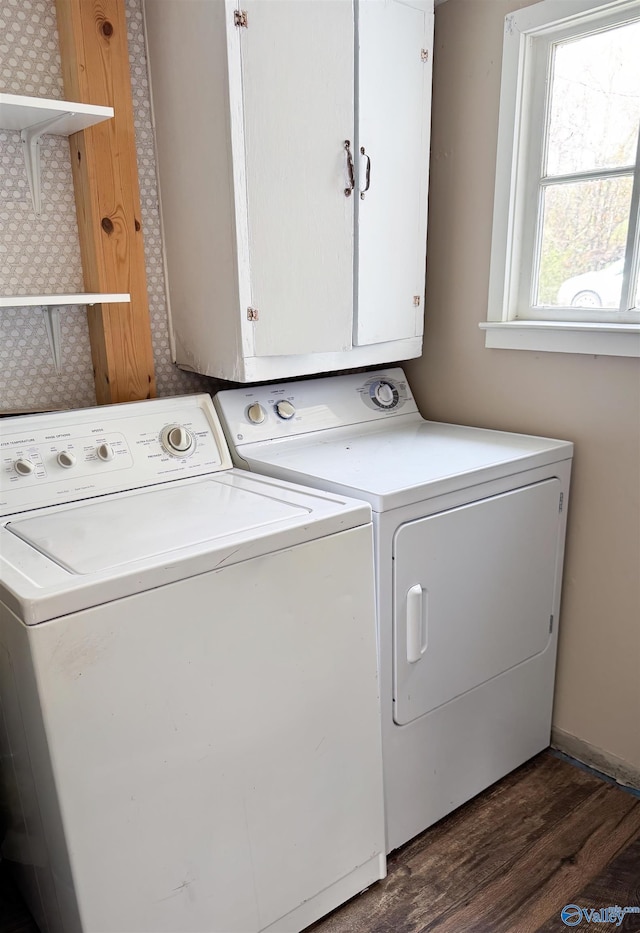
(261,413)
(64,456)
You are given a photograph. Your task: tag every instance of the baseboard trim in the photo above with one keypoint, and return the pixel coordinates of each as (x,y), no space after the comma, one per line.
(620,770)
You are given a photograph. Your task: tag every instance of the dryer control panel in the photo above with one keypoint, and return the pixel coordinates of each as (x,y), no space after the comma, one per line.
(286,409)
(65,456)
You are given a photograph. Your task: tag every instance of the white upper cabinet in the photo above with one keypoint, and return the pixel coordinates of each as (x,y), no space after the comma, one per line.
(279,262)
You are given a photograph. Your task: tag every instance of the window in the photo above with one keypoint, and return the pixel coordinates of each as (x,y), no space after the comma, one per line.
(565,257)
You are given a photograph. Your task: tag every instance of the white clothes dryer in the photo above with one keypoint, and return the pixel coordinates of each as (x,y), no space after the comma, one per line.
(469,531)
(190,729)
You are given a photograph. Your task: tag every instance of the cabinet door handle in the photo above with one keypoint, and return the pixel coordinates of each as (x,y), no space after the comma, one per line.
(367,176)
(352,177)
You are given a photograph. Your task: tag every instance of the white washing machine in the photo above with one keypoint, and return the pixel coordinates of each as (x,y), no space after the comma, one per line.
(469,530)
(190,729)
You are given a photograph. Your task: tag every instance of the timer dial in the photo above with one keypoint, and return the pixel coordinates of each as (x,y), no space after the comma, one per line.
(285,410)
(384,394)
(177,441)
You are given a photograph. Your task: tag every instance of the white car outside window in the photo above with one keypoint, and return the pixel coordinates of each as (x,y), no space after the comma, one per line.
(599,289)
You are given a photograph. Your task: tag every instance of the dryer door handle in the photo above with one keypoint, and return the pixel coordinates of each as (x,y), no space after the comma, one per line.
(417,599)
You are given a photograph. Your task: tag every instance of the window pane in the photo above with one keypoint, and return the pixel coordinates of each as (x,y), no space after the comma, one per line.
(584,233)
(595,101)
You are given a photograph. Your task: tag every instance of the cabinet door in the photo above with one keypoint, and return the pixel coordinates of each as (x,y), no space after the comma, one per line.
(395,41)
(297,65)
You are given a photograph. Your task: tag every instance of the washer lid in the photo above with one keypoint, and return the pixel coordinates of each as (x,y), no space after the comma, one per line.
(401,461)
(66,558)
(108,533)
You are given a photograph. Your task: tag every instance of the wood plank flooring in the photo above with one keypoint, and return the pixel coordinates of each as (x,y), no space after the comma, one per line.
(508,861)
(548,835)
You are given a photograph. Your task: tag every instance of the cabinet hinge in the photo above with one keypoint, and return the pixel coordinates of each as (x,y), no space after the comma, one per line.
(416,301)
(252,314)
(561,503)
(240,18)
(424,55)
(550,624)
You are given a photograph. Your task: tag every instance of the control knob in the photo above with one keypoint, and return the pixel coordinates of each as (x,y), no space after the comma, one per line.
(384,394)
(24,467)
(256,413)
(66,459)
(285,410)
(105,452)
(177,441)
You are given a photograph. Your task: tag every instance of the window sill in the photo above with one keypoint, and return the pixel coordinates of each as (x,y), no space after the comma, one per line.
(563,337)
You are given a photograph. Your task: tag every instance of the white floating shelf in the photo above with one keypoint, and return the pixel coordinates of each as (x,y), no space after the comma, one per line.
(38,301)
(26,113)
(33,116)
(51,305)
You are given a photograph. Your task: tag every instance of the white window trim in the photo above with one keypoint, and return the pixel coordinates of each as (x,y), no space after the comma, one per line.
(501,332)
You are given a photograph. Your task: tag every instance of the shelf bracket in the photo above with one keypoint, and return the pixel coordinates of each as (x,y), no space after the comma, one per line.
(31,150)
(51,317)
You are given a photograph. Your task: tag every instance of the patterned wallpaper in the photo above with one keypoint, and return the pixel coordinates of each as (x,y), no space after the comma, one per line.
(40,255)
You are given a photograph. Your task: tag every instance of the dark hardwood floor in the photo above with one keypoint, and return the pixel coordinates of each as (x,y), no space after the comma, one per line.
(548,835)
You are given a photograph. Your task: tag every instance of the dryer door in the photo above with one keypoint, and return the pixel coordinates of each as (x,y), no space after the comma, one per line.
(473,594)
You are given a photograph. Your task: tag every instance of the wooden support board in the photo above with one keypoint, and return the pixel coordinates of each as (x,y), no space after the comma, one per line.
(95,67)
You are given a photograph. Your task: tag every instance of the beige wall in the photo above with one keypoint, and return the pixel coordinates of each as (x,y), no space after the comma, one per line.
(594,401)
